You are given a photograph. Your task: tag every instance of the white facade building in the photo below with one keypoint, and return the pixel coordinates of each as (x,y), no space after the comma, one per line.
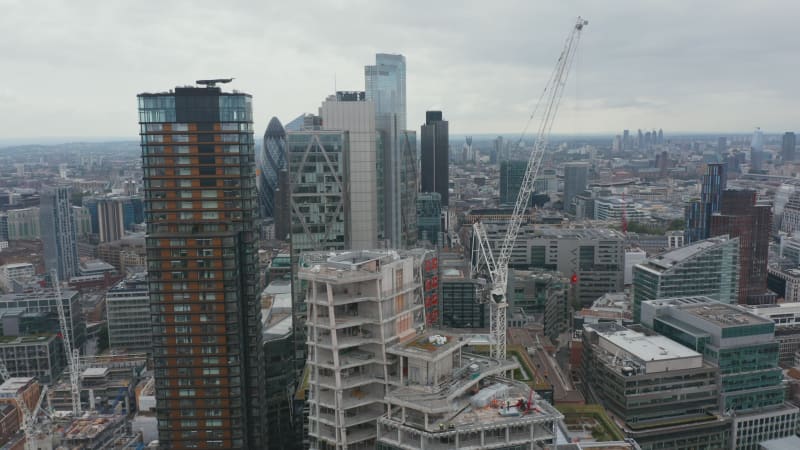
(359,304)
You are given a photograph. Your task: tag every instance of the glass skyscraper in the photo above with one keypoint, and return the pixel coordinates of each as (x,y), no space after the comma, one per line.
(386,88)
(199,182)
(270,161)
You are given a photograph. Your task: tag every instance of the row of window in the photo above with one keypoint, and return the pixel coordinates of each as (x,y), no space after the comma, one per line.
(200,170)
(186,149)
(203,182)
(159,138)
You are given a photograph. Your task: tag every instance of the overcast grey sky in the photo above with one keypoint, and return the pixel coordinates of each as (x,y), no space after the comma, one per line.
(74,67)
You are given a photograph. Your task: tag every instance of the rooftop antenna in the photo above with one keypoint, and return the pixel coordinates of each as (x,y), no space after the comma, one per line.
(213,83)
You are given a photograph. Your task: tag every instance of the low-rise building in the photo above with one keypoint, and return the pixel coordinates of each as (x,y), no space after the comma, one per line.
(19,272)
(39,356)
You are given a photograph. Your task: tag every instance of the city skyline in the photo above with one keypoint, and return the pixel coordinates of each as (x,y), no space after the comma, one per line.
(486,74)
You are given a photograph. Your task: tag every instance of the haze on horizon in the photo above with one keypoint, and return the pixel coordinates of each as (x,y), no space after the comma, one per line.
(73,68)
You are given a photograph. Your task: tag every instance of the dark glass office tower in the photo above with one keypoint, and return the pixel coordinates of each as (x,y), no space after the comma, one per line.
(271,161)
(788,146)
(742,215)
(435,142)
(200,202)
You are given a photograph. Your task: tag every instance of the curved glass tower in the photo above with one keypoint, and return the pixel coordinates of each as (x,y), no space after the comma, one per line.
(271,160)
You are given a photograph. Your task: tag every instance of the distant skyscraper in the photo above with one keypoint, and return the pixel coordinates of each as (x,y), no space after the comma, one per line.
(757,150)
(386,89)
(626,140)
(660,136)
(270,161)
(576,175)
(698,213)
(110,219)
(200,190)
(435,142)
(722,144)
(351,112)
(511,175)
(58,232)
(639,139)
(788,146)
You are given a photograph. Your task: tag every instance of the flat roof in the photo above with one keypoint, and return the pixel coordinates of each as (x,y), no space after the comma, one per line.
(13,385)
(724,315)
(648,348)
(425,347)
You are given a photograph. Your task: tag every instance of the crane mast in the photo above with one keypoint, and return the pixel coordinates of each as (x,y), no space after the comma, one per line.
(73,355)
(28,422)
(497,268)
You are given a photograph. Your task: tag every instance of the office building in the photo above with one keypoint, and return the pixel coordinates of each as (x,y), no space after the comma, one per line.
(626,140)
(276,314)
(576,175)
(429,218)
(23,224)
(317,165)
(360,303)
(449,399)
(709,268)
(41,356)
(15,272)
(350,112)
(623,367)
(511,175)
(542,295)
(698,213)
(58,232)
(385,87)
(44,301)
(459,299)
(592,257)
(434,149)
(790,214)
(786,317)
(742,215)
(270,162)
(744,348)
(788,146)
(128,312)
(111,226)
(200,193)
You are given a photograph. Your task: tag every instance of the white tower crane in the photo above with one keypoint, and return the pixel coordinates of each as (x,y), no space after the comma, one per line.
(497,268)
(73,355)
(28,423)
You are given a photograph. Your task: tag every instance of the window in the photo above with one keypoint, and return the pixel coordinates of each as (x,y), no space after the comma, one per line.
(181,149)
(186,216)
(210,204)
(186,393)
(183,160)
(210,215)
(181,318)
(213,423)
(185,205)
(180,138)
(184,183)
(186,194)
(180,127)
(183,171)
(208,193)
(183,308)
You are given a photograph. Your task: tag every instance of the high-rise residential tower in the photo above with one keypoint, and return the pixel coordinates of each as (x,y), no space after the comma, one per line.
(576,176)
(788,146)
(271,160)
(58,232)
(200,194)
(435,143)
